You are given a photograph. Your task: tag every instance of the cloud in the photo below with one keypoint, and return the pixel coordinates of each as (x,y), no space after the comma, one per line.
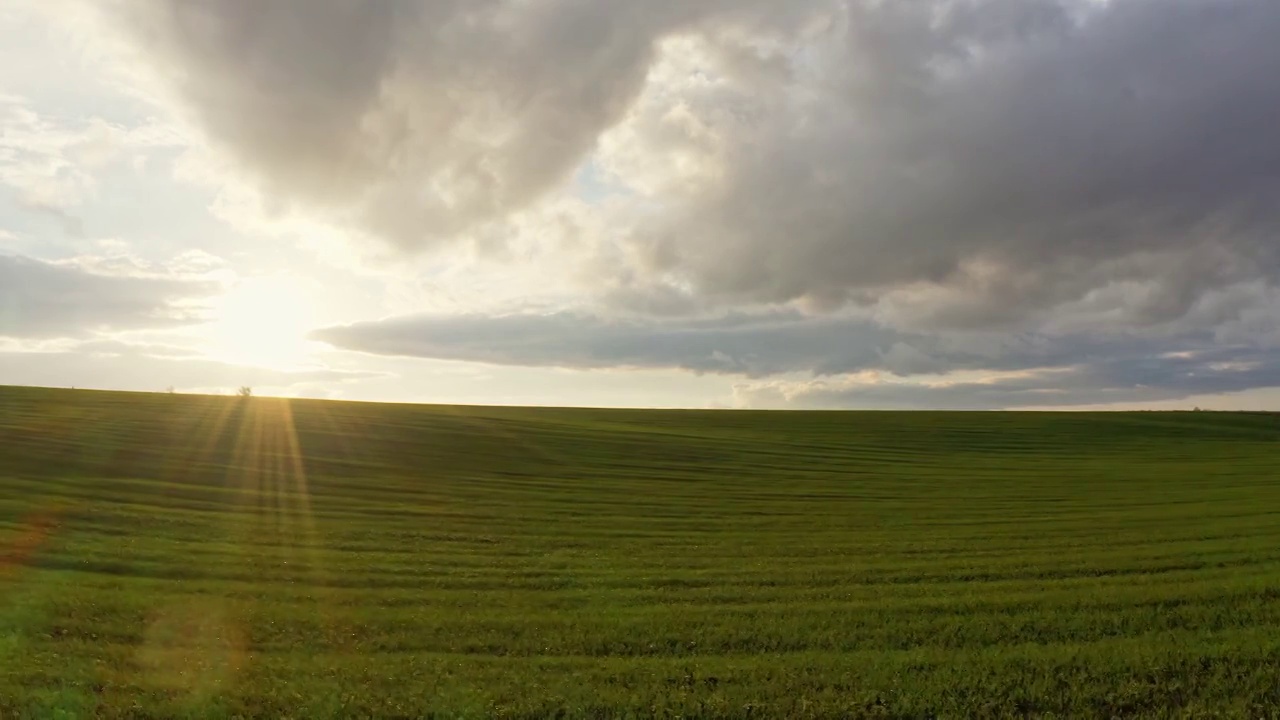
(1067,188)
(125,366)
(745,344)
(414,121)
(41,299)
(972,163)
(792,360)
(754,344)
(51,164)
(1127,379)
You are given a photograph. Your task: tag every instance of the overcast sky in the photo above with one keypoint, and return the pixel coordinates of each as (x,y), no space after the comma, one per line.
(702,203)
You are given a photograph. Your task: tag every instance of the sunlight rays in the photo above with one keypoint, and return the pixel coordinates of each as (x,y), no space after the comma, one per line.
(267,470)
(197,645)
(207,431)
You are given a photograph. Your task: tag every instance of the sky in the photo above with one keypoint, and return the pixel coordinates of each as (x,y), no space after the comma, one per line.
(957,204)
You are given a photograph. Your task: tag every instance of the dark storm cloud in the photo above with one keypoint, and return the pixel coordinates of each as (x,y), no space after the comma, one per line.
(46,300)
(983,166)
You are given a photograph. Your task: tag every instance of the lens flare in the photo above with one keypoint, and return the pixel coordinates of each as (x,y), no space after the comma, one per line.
(34,530)
(194,648)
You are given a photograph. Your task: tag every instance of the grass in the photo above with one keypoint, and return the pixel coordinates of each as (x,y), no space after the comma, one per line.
(184,556)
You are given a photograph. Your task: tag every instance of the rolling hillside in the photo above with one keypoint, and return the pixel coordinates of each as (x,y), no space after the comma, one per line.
(189,556)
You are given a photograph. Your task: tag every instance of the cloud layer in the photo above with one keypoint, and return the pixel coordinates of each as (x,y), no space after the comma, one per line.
(821,186)
(946,161)
(112,365)
(41,299)
(850,361)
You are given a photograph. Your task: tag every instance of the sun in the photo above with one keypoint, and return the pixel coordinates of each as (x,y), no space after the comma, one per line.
(261,321)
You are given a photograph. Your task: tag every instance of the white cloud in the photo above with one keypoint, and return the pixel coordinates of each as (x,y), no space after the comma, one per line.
(53,165)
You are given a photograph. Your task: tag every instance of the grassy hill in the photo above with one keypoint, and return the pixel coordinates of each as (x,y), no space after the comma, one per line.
(186,556)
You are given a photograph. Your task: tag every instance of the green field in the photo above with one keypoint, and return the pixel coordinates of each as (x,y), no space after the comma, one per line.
(187,556)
